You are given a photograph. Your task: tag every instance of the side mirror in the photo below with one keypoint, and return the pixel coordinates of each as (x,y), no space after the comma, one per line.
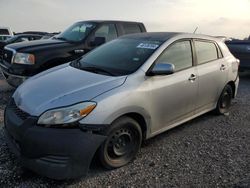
(98,41)
(161,69)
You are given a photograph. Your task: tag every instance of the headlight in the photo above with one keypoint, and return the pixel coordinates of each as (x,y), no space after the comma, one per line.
(66,115)
(22,58)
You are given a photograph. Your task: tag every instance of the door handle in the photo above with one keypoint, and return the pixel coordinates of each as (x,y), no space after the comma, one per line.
(222,67)
(192,77)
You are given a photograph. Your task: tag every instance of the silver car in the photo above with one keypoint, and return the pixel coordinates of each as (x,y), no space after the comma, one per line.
(113,98)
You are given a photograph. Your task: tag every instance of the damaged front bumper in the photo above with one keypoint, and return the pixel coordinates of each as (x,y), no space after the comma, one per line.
(51,152)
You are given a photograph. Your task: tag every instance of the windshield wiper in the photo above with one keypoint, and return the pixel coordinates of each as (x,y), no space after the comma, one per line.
(96,70)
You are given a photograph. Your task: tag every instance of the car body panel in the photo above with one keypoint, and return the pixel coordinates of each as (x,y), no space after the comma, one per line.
(35,45)
(63,89)
(211,81)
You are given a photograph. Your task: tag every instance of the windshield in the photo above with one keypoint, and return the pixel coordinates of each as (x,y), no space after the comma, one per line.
(77,32)
(118,57)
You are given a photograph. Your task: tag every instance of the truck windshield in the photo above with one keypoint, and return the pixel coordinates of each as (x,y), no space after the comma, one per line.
(118,57)
(77,32)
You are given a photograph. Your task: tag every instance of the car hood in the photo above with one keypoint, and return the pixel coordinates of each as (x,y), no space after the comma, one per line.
(30,46)
(62,86)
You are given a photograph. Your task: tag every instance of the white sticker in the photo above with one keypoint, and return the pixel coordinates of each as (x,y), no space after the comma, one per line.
(148,46)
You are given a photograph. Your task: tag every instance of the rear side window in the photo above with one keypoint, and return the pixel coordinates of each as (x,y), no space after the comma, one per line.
(130,28)
(179,54)
(108,31)
(205,51)
(4,32)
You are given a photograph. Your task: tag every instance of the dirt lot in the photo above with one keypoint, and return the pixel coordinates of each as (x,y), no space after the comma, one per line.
(209,151)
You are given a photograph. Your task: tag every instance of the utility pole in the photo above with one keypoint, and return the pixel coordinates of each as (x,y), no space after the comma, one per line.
(197,29)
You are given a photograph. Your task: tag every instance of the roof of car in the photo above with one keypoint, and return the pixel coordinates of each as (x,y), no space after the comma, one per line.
(159,36)
(110,21)
(27,35)
(164,36)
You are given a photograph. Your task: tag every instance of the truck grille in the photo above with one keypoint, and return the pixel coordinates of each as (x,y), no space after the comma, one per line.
(1,54)
(7,55)
(21,114)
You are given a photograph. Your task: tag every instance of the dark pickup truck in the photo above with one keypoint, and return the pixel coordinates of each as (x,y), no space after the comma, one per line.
(22,60)
(241,50)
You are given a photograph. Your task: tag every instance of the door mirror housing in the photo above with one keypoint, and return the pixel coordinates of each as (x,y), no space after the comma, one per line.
(98,41)
(161,69)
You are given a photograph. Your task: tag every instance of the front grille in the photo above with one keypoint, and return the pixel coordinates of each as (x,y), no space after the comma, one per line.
(7,55)
(1,54)
(21,114)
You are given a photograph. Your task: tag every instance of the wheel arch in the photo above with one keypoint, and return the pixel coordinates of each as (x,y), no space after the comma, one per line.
(232,84)
(140,120)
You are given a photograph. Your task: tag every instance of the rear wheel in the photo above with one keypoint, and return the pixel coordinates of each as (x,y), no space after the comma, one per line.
(123,141)
(225,100)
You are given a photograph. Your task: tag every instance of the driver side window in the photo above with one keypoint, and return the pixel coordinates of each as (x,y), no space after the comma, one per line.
(179,54)
(108,31)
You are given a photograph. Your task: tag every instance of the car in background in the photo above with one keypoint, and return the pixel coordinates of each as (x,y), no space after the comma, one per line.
(49,35)
(5,33)
(16,39)
(21,38)
(241,50)
(33,32)
(108,101)
(23,60)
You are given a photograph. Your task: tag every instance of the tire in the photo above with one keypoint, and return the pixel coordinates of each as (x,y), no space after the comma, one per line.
(123,142)
(224,102)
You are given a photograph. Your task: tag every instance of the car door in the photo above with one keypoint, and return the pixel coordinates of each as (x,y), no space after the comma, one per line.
(212,74)
(173,96)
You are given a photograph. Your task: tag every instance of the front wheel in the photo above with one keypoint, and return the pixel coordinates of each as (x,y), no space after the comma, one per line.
(225,100)
(124,138)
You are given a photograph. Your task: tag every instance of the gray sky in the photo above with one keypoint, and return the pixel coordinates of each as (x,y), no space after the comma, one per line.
(213,17)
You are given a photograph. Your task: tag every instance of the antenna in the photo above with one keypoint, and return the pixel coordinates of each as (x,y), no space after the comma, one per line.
(195,30)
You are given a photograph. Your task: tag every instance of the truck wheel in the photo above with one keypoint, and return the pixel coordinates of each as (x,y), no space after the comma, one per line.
(124,138)
(225,100)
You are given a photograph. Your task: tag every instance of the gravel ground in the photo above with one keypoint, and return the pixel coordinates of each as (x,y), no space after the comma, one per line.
(209,151)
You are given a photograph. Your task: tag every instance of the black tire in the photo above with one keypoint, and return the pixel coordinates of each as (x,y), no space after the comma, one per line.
(123,142)
(224,102)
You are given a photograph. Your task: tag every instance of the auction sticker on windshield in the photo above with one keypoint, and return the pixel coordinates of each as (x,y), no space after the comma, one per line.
(148,46)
